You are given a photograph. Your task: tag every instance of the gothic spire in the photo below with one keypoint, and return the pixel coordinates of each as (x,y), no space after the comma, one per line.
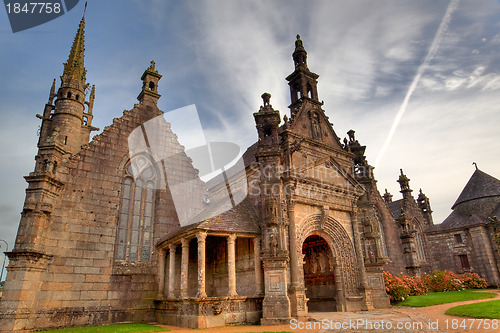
(404,183)
(74,75)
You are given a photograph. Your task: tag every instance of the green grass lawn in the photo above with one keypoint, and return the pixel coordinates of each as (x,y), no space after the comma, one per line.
(490,310)
(121,328)
(445,297)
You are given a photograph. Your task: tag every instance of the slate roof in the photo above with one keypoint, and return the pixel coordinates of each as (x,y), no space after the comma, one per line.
(459,220)
(480,185)
(241,218)
(396,208)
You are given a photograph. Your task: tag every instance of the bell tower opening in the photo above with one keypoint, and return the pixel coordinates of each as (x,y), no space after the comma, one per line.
(319,275)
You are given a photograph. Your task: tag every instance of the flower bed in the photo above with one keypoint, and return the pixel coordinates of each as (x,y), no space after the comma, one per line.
(400,287)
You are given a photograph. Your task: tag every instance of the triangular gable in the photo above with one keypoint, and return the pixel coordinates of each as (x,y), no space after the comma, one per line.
(330,172)
(311,122)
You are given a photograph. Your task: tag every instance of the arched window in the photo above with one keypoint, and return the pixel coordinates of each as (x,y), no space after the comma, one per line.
(419,241)
(136,211)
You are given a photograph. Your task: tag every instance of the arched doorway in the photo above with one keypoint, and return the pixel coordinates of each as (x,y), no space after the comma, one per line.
(319,275)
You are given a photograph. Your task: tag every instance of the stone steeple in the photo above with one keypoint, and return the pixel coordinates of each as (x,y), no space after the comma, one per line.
(68,124)
(425,205)
(302,82)
(149,92)
(404,183)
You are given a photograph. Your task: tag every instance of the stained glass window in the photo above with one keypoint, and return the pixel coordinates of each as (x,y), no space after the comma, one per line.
(136,211)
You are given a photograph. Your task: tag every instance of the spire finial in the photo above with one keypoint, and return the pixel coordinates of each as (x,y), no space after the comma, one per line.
(404,182)
(475,164)
(52,93)
(85,9)
(266,97)
(74,74)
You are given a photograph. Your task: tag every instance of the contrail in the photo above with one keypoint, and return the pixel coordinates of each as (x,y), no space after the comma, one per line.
(452,6)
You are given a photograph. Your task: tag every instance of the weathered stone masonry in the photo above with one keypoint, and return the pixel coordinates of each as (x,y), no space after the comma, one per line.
(100,240)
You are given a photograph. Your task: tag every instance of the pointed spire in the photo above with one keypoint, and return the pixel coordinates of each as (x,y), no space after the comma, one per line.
(404,182)
(91,100)
(74,75)
(52,93)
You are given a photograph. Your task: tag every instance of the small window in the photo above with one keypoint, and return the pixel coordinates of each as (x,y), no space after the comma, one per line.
(151,86)
(69,94)
(464,261)
(77,97)
(458,239)
(65,140)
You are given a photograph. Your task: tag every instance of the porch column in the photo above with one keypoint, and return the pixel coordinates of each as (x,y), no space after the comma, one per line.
(161,273)
(171,271)
(231,262)
(201,264)
(294,260)
(184,267)
(258,266)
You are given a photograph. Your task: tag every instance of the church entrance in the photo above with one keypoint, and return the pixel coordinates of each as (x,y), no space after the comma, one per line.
(319,277)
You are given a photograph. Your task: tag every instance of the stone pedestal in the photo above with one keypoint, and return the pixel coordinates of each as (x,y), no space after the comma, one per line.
(298,301)
(276,304)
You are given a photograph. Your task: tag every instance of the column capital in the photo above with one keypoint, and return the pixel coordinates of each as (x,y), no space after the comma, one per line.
(291,205)
(231,238)
(201,236)
(184,242)
(172,247)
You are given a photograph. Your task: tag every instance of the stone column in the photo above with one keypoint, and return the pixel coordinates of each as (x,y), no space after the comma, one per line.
(231,262)
(361,264)
(298,294)
(184,267)
(161,273)
(338,287)
(294,262)
(201,264)
(171,271)
(258,266)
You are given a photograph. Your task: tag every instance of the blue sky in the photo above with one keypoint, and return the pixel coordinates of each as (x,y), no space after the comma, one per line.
(222,55)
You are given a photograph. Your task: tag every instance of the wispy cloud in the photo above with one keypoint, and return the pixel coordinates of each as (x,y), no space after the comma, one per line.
(443,26)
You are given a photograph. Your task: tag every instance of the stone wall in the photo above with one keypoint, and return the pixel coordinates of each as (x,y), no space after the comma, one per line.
(82,283)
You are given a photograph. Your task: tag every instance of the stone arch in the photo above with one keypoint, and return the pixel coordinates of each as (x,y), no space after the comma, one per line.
(341,245)
(419,240)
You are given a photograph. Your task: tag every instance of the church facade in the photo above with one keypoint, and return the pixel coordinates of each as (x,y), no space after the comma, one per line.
(100,240)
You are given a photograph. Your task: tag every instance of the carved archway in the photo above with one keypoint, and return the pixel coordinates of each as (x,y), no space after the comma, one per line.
(341,246)
(320,278)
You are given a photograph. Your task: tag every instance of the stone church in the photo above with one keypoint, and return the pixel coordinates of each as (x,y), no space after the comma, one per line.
(100,240)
